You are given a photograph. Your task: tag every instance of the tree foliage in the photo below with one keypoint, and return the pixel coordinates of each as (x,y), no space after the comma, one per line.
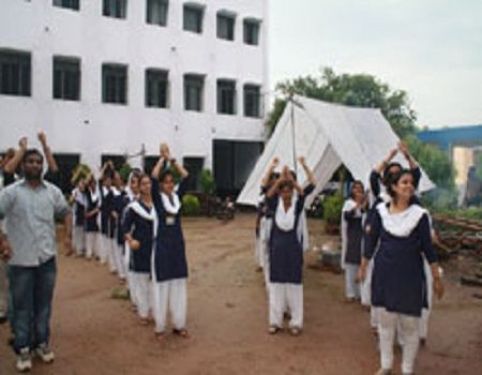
(364,90)
(356,90)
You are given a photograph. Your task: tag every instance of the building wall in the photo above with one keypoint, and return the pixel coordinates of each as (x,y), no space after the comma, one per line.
(90,127)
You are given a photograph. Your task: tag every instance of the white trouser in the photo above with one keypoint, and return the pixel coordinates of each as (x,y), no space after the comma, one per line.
(92,244)
(3,289)
(409,329)
(283,297)
(110,246)
(352,288)
(170,295)
(142,290)
(259,252)
(78,237)
(118,259)
(266,269)
(104,247)
(365,288)
(374,316)
(129,273)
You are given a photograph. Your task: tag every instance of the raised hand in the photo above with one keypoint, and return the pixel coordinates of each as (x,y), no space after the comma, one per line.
(165,152)
(42,137)
(23,143)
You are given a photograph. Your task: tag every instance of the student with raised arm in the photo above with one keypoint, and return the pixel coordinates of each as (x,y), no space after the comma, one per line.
(286,200)
(263,222)
(399,233)
(170,269)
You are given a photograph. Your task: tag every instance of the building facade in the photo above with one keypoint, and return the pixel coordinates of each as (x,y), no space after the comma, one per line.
(110,78)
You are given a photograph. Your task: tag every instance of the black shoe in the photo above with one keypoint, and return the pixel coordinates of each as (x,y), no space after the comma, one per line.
(3,319)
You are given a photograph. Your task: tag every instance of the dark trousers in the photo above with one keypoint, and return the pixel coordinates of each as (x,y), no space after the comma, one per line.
(32,290)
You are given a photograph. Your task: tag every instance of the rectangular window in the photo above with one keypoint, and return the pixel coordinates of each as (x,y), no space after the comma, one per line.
(226,97)
(156,88)
(15,73)
(66,84)
(193,92)
(193,18)
(157,12)
(225,26)
(251,32)
(114,84)
(252,101)
(115,8)
(70,4)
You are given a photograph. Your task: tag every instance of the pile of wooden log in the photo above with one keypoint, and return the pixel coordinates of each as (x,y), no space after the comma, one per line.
(456,234)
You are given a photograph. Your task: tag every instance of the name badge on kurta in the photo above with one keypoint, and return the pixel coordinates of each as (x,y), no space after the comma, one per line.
(170,220)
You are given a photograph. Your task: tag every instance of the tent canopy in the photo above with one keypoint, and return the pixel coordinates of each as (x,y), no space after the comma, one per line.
(327,135)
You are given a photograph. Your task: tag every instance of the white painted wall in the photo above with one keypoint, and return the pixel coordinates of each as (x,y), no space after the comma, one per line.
(45,31)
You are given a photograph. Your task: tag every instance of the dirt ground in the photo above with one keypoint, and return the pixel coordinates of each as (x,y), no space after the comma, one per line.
(227,316)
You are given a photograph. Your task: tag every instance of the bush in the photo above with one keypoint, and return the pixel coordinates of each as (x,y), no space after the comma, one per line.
(332,207)
(191,205)
(125,171)
(208,186)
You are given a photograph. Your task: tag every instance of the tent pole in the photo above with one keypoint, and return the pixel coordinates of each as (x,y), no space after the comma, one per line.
(293,134)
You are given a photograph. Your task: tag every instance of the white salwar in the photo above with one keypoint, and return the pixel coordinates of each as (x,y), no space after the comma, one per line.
(170,296)
(78,232)
(92,244)
(288,297)
(409,328)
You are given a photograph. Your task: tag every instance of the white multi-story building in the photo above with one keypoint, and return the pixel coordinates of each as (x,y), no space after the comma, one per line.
(107,78)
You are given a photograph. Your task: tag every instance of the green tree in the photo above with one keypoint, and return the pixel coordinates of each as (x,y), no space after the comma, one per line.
(357,90)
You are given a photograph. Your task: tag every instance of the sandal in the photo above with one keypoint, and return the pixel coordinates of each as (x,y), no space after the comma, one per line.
(159,336)
(181,332)
(295,331)
(273,330)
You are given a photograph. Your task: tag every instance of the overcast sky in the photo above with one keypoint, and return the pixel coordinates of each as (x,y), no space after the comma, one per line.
(430,48)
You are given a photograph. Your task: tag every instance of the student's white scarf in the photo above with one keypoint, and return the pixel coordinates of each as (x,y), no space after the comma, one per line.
(171,207)
(141,211)
(403,223)
(115,191)
(93,195)
(285,220)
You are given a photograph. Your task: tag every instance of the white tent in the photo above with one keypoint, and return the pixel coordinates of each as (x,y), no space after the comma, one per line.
(327,135)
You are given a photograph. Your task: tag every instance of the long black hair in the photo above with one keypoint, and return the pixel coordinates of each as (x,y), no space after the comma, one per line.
(394,179)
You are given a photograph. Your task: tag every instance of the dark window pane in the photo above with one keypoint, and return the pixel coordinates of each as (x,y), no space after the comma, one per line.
(251,32)
(66,83)
(193,92)
(193,19)
(114,84)
(227,97)
(15,71)
(225,27)
(157,12)
(252,101)
(115,8)
(70,4)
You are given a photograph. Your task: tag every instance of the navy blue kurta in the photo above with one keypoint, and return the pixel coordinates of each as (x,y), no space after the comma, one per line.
(119,203)
(79,213)
(142,231)
(170,254)
(285,248)
(91,222)
(398,279)
(105,208)
(354,235)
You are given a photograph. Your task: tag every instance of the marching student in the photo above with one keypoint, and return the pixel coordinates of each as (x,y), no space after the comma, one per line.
(106,196)
(400,233)
(170,269)
(286,249)
(352,233)
(79,200)
(92,209)
(118,201)
(264,222)
(140,227)
(132,192)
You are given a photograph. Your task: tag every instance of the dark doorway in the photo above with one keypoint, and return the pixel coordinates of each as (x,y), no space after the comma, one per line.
(233,162)
(194,166)
(66,163)
(118,160)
